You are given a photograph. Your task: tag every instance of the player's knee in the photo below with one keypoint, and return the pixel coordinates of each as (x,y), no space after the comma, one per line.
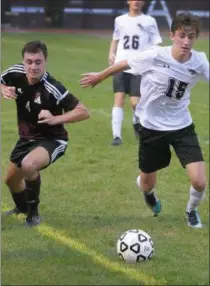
(12,182)
(28,166)
(119,100)
(8,180)
(199,184)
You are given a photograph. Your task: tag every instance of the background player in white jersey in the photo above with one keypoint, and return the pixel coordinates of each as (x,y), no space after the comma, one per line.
(168,74)
(133,32)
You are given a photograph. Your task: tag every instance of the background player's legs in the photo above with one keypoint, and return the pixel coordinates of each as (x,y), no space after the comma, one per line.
(36,160)
(197,174)
(117,117)
(16,184)
(134,100)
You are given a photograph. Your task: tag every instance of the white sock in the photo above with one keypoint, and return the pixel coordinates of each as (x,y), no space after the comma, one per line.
(117,119)
(195,199)
(138,182)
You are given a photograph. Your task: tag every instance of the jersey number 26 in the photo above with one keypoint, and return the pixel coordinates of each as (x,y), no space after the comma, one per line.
(131,42)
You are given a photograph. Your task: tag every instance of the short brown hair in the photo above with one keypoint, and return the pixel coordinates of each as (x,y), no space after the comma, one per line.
(186,19)
(34,47)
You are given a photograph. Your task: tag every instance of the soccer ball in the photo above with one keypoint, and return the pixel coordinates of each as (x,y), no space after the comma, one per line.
(135,245)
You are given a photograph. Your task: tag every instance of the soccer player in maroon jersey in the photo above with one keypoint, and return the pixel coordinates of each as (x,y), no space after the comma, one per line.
(44,105)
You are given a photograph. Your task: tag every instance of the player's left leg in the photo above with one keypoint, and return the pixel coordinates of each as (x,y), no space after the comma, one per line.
(197,174)
(188,150)
(16,184)
(134,94)
(134,100)
(36,160)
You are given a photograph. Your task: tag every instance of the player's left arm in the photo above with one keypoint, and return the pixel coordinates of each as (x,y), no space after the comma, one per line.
(74,110)
(155,37)
(205,70)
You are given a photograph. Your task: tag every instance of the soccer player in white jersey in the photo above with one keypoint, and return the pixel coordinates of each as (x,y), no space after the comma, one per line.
(168,74)
(133,32)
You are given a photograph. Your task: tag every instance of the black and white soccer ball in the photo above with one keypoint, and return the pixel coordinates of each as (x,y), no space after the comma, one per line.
(135,245)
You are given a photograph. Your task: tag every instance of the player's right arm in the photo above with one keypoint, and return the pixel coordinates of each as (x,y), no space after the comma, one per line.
(114,42)
(8,89)
(113,51)
(139,64)
(8,92)
(93,78)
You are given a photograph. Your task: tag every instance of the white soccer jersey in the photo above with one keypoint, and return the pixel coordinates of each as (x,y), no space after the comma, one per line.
(135,34)
(165,87)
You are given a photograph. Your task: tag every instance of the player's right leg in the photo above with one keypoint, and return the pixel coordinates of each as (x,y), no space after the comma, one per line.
(14,178)
(154,154)
(16,184)
(117,110)
(146,182)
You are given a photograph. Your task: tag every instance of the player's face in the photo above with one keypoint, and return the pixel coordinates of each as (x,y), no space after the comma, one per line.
(184,39)
(136,5)
(34,65)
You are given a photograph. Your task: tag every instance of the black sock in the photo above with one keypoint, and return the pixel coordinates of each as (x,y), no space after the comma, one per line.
(150,199)
(32,196)
(20,200)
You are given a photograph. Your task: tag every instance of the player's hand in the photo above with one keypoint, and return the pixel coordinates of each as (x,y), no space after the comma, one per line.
(90,79)
(46,117)
(112,59)
(8,92)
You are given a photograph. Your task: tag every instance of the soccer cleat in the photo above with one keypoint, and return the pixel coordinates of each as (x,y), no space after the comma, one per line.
(14,211)
(116,141)
(33,220)
(153,203)
(193,219)
(136,128)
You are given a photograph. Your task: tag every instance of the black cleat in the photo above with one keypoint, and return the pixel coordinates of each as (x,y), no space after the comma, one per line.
(116,141)
(33,220)
(193,219)
(14,211)
(153,203)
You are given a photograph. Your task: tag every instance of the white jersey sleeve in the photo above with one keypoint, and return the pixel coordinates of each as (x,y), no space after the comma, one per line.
(155,37)
(205,68)
(144,61)
(116,32)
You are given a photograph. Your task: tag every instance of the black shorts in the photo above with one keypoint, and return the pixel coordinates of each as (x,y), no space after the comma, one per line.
(127,83)
(154,148)
(23,147)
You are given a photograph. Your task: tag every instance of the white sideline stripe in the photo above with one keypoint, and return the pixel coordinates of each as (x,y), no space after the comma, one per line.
(97,257)
(135,274)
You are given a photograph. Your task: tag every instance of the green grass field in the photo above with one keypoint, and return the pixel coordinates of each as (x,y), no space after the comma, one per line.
(89,197)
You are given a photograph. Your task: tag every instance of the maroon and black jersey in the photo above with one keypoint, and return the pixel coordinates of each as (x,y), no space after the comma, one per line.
(48,94)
